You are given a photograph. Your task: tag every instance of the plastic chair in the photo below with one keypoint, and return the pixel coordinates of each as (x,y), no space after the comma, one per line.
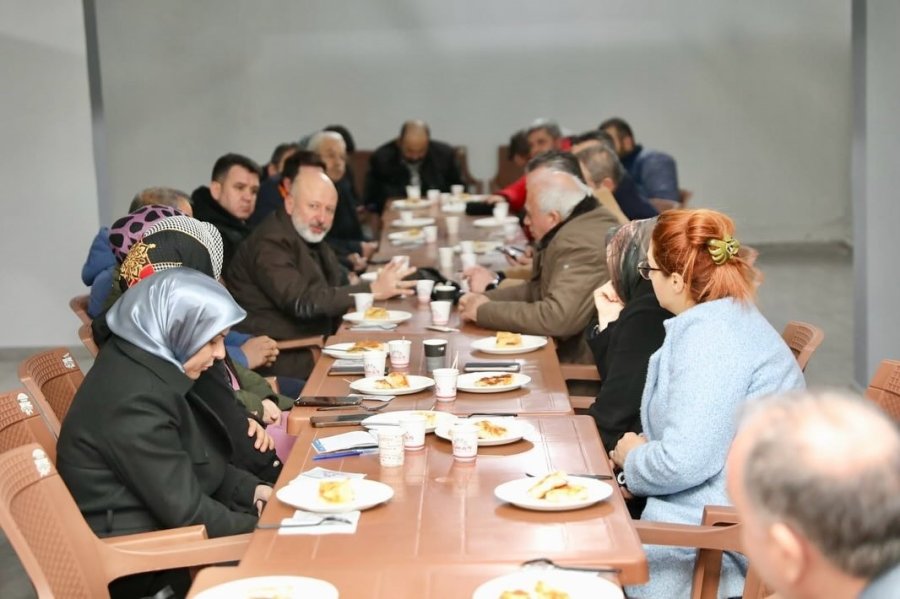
(719,531)
(803,339)
(472,184)
(61,554)
(79,305)
(884,388)
(359,162)
(21,422)
(580,372)
(87,339)
(314,344)
(507,170)
(52,377)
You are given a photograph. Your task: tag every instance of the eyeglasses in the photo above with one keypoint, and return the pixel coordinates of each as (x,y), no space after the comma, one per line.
(644,269)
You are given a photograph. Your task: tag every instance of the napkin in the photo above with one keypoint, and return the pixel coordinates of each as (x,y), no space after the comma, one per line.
(325,528)
(322,473)
(344,441)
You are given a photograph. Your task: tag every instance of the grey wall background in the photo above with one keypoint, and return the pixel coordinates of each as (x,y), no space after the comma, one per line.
(752,98)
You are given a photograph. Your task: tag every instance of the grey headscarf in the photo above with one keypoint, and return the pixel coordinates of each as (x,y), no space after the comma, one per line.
(626,247)
(174,313)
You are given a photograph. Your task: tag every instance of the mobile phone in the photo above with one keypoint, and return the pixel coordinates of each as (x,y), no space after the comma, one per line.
(375,261)
(511,251)
(492,366)
(344,367)
(340,420)
(326,401)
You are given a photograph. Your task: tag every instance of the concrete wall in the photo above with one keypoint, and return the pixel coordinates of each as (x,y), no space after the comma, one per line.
(49,199)
(753,99)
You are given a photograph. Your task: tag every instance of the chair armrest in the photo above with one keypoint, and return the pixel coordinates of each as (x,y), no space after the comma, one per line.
(144,540)
(579,372)
(723,538)
(314,344)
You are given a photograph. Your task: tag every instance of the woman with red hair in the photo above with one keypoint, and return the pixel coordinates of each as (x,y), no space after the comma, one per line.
(719,352)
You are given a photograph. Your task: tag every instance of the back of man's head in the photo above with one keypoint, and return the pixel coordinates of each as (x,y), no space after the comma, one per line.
(161,196)
(601,164)
(518,145)
(557,184)
(226,162)
(591,137)
(825,467)
(557,160)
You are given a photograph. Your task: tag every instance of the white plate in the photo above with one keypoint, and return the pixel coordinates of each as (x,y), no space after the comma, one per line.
(493,222)
(416,222)
(529,343)
(398,236)
(515,430)
(467,382)
(516,493)
(367,385)
(339,351)
(368,277)
(303,493)
(289,587)
(394,317)
(432,419)
(481,247)
(409,204)
(577,585)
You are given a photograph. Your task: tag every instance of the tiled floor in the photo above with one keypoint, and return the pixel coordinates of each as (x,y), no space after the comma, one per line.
(808,282)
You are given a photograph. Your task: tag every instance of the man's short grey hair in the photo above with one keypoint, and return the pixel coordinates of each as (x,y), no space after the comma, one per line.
(318,137)
(601,162)
(551,127)
(848,508)
(163,196)
(558,195)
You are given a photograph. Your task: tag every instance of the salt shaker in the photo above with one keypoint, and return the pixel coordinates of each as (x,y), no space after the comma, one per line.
(465,441)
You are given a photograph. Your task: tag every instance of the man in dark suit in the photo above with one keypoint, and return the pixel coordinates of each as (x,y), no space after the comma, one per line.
(411,159)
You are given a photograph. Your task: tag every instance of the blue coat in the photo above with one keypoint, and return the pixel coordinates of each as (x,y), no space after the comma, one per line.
(97,272)
(716,356)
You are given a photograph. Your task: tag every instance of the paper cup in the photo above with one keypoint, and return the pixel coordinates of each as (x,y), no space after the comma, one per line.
(363,301)
(434,195)
(400,351)
(431,233)
(413,427)
(440,312)
(373,363)
(445,383)
(423,290)
(501,211)
(468,260)
(452,223)
(406,217)
(444,293)
(390,445)
(466,247)
(413,192)
(457,190)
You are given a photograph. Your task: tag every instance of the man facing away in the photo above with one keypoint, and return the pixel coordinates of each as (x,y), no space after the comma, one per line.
(654,172)
(815,478)
(290,282)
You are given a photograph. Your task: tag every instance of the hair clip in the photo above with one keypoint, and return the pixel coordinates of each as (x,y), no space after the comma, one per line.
(722,250)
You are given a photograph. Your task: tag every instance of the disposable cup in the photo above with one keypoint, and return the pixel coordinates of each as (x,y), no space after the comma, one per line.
(431,233)
(423,290)
(390,445)
(413,427)
(400,350)
(363,301)
(445,383)
(501,211)
(440,312)
(452,223)
(373,363)
(413,192)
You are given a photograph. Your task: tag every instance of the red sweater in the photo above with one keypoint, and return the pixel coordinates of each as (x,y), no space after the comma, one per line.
(515,191)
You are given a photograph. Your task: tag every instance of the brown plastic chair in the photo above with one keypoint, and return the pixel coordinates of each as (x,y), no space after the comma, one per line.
(79,305)
(884,388)
(803,339)
(580,372)
(87,338)
(472,184)
(64,558)
(52,377)
(507,170)
(21,422)
(719,531)
(314,344)
(359,162)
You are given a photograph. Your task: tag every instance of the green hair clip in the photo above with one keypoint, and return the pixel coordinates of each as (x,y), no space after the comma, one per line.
(722,250)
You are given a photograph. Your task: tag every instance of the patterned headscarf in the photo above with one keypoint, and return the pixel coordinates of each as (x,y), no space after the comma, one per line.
(131,228)
(626,247)
(170,243)
(174,314)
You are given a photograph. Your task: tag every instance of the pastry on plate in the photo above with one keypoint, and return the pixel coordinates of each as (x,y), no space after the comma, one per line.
(500,380)
(394,380)
(336,491)
(361,346)
(541,591)
(506,339)
(489,430)
(555,487)
(375,313)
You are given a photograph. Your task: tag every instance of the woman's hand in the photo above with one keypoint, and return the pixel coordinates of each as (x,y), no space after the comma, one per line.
(628,442)
(263,441)
(608,304)
(271,412)
(261,497)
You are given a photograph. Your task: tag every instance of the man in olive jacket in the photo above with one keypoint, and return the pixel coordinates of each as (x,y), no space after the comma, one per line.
(291,283)
(569,227)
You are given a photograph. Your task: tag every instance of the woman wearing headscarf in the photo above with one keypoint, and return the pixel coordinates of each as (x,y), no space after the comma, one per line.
(628,329)
(139,449)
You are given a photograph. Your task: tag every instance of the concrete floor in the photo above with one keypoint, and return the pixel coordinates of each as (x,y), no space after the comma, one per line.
(812,283)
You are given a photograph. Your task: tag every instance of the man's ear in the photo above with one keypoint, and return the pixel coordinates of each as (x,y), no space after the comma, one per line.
(608,183)
(790,550)
(215,190)
(289,203)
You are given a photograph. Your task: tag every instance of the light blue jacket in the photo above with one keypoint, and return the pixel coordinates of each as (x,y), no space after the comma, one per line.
(716,356)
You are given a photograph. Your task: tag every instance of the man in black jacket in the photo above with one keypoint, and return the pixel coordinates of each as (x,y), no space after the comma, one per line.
(411,159)
(229,200)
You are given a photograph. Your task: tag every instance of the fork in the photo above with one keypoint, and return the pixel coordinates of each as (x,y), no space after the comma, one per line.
(324,520)
(360,406)
(543,562)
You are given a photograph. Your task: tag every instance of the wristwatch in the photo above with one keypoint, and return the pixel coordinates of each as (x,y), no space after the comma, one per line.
(620,478)
(496,282)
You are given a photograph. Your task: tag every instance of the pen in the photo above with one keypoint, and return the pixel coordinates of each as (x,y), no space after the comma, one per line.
(344,454)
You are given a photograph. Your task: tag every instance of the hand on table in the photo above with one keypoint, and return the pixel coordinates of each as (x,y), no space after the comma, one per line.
(479,278)
(263,441)
(271,412)
(390,283)
(468,305)
(628,442)
(607,303)
(260,351)
(622,489)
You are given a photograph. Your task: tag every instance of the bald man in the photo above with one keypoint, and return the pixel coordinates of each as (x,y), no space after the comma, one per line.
(815,478)
(290,283)
(411,159)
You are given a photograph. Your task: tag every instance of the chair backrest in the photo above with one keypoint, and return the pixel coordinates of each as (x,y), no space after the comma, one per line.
(86,334)
(803,339)
(57,549)
(884,388)
(52,377)
(79,305)
(507,170)
(472,184)
(359,163)
(21,422)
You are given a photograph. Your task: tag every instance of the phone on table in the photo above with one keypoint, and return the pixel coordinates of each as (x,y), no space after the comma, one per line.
(322,401)
(492,367)
(344,367)
(340,420)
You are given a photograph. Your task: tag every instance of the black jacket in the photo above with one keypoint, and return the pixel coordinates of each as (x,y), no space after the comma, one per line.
(234,231)
(139,451)
(346,235)
(388,176)
(622,352)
